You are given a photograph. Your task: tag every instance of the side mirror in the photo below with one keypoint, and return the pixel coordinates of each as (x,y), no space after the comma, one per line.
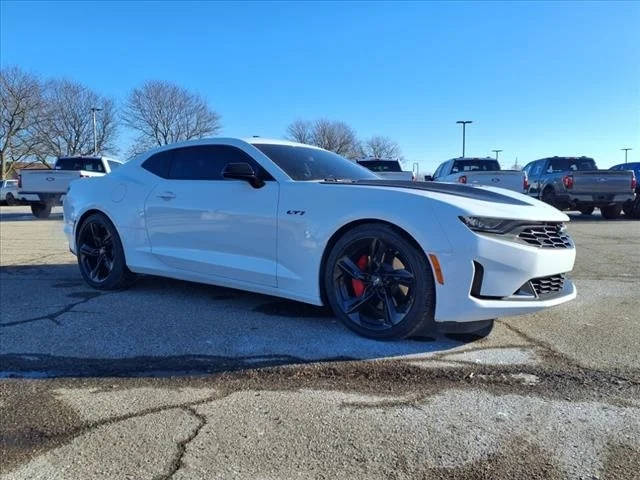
(242,171)
(428,178)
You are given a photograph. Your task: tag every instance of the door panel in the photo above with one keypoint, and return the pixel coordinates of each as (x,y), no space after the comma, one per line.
(215,227)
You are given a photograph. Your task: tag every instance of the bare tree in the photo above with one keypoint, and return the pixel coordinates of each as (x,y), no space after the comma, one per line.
(21,108)
(164,113)
(331,135)
(382,147)
(300,131)
(67,126)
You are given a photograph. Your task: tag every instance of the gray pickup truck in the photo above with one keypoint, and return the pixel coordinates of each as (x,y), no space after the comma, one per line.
(575,183)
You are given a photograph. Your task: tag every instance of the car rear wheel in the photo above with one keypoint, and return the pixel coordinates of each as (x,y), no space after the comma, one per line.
(41,210)
(379,284)
(549,197)
(611,212)
(587,210)
(101,256)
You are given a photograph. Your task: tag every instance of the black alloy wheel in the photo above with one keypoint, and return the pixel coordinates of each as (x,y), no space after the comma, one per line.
(95,251)
(100,254)
(379,284)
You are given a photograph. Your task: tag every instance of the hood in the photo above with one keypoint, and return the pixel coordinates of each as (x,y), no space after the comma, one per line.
(472,199)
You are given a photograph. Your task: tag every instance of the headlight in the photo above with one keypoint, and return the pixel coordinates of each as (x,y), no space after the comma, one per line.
(489,224)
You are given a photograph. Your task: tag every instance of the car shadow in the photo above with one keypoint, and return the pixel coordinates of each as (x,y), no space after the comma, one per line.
(26,215)
(53,325)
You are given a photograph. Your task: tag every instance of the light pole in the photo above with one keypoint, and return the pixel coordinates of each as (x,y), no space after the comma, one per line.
(496,152)
(95,134)
(464,124)
(625,153)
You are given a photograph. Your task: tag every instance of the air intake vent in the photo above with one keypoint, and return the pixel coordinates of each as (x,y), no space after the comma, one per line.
(547,285)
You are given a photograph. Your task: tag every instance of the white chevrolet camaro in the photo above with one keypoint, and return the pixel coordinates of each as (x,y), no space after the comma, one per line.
(392,258)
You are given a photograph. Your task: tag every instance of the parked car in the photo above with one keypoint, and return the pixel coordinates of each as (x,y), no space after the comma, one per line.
(9,193)
(575,183)
(480,171)
(299,222)
(389,169)
(631,208)
(49,186)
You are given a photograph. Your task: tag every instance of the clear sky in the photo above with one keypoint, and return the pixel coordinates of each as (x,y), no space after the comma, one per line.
(537,79)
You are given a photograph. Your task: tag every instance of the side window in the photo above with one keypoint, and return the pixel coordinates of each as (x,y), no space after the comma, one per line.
(207,162)
(196,163)
(159,163)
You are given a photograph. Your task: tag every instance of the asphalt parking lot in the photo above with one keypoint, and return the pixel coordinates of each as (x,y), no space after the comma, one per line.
(177,380)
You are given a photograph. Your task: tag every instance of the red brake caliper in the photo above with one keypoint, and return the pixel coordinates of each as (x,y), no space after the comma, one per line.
(358,286)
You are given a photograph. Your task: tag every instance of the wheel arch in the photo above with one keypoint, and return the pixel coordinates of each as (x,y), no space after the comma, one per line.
(348,226)
(86,214)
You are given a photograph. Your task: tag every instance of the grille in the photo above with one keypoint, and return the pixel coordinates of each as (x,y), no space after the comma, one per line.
(546,236)
(546,285)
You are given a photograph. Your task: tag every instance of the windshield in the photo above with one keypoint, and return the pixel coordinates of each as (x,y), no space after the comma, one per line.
(80,163)
(381,165)
(304,163)
(477,164)
(574,164)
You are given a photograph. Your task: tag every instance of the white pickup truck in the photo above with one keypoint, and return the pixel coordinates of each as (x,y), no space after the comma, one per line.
(51,185)
(386,168)
(481,171)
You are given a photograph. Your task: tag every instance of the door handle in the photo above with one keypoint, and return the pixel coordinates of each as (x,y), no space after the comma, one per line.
(167,195)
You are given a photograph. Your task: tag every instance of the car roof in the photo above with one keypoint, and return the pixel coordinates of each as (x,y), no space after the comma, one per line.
(275,141)
(89,157)
(631,165)
(371,159)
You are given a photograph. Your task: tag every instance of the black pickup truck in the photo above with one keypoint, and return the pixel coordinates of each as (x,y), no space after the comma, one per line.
(575,183)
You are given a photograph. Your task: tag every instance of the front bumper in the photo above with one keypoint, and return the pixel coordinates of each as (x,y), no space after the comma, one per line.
(506,267)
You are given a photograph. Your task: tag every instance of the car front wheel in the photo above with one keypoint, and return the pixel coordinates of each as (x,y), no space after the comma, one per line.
(380,284)
(101,256)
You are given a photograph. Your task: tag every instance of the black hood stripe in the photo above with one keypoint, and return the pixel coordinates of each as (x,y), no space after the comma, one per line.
(458,190)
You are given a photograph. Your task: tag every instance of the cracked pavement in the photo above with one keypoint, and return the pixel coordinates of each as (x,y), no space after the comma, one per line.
(177,380)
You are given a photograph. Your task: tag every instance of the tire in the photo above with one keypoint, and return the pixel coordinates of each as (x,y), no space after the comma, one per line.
(379,284)
(634,210)
(41,210)
(549,197)
(611,212)
(10,199)
(587,210)
(101,256)
(627,208)
(485,330)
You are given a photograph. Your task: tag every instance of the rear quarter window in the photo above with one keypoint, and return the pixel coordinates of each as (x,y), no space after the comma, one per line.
(159,164)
